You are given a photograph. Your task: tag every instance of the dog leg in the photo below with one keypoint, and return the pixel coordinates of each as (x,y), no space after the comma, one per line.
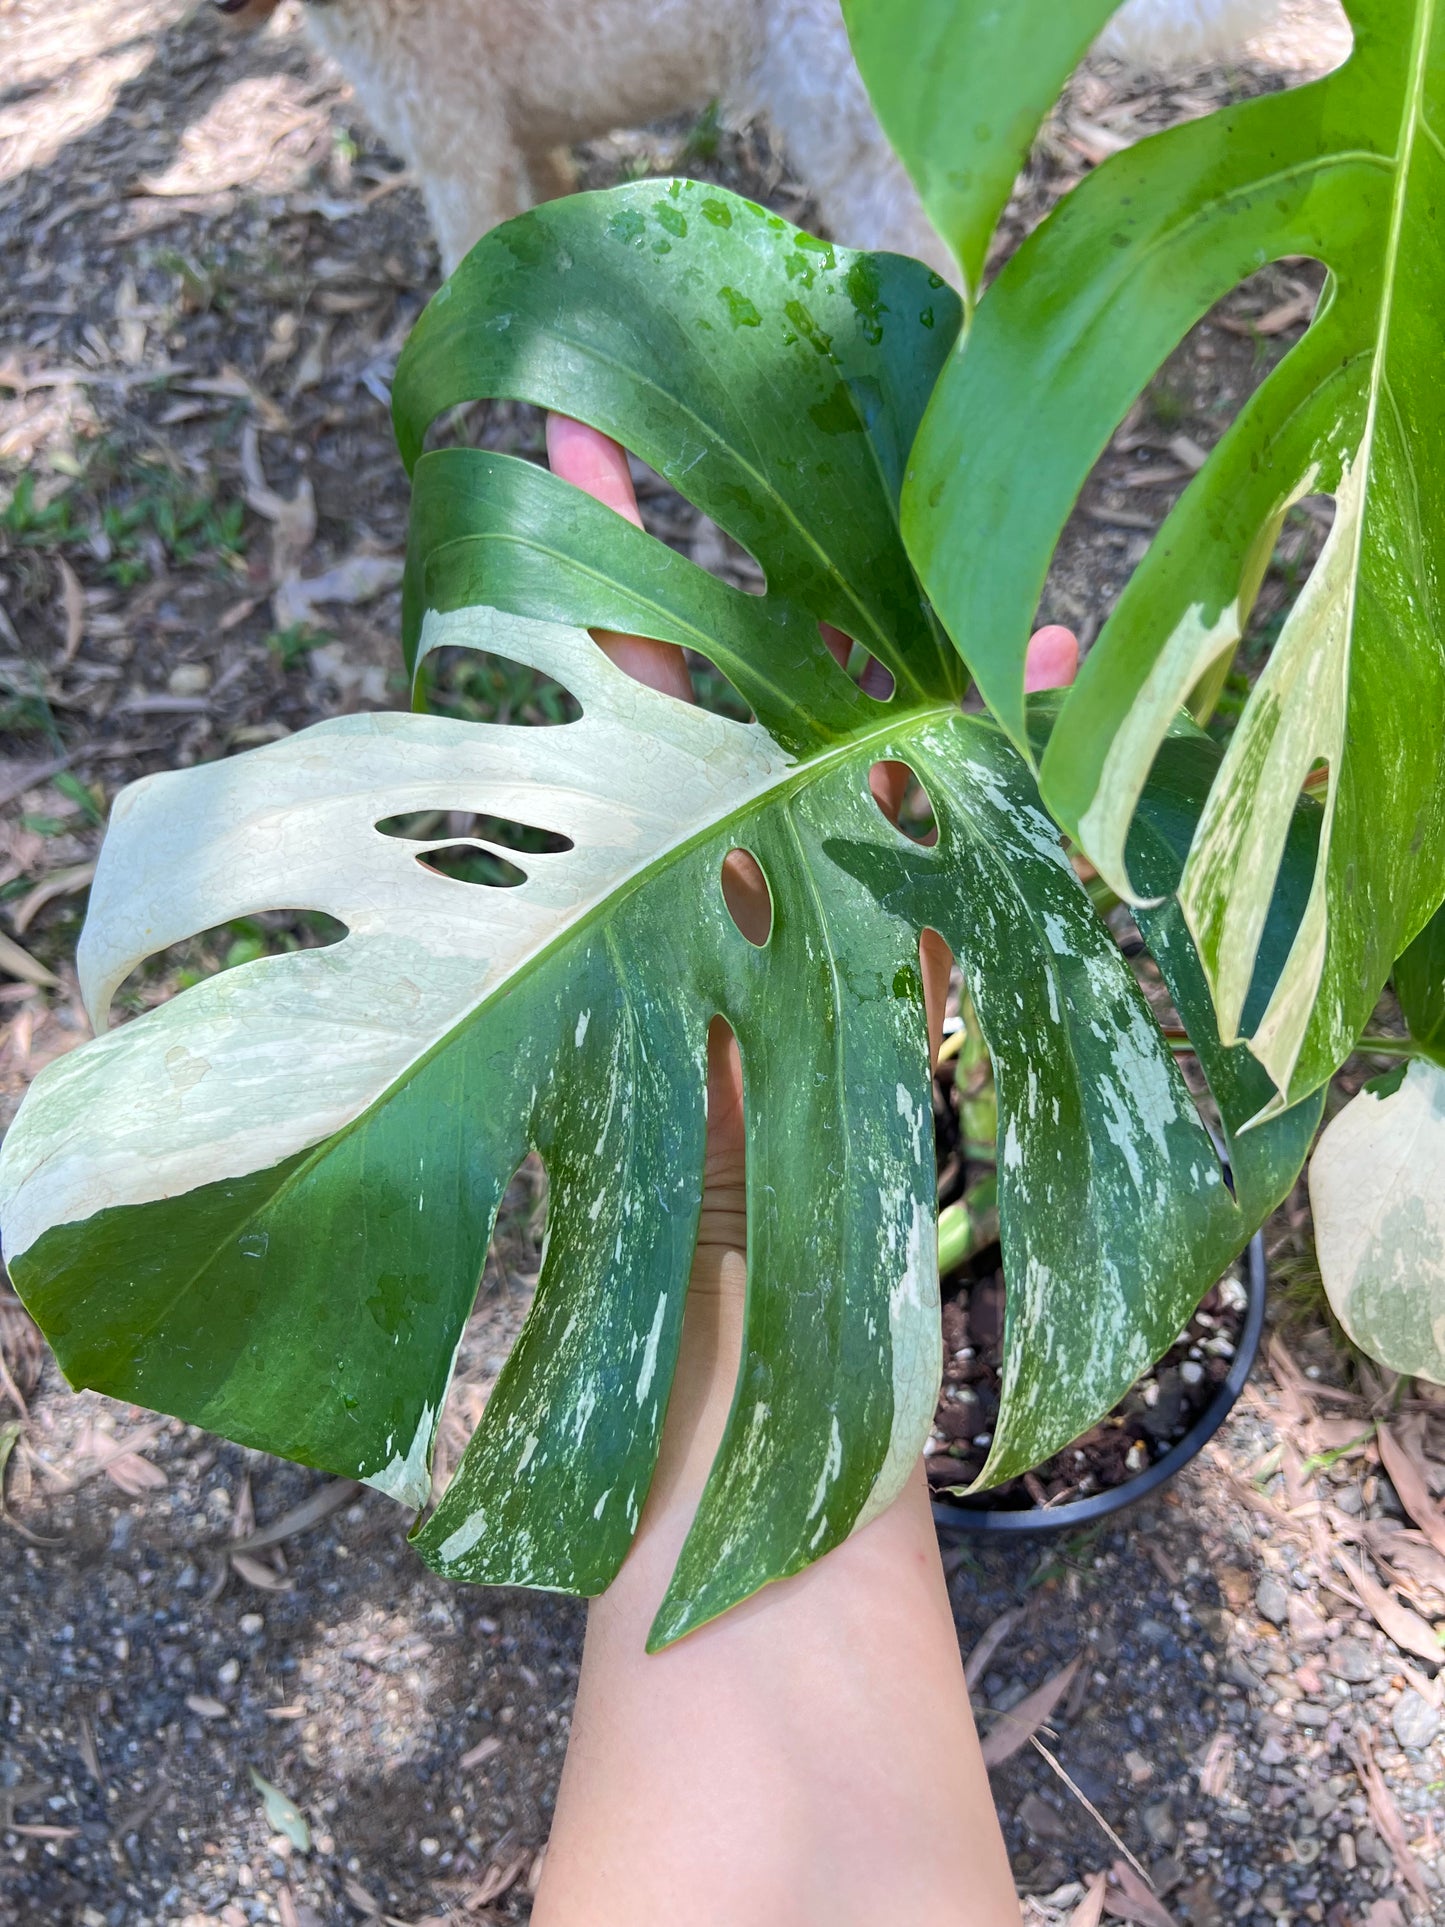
(806,80)
(1163,34)
(552,174)
(422,80)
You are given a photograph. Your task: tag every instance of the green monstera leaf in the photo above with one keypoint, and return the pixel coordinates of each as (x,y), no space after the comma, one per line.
(265,1205)
(1350,170)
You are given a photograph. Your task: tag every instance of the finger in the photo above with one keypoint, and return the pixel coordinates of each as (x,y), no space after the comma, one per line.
(594,463)
(935,961)
(1052,661)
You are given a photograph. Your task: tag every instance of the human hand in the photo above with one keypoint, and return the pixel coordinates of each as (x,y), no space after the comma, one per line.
(809,1755)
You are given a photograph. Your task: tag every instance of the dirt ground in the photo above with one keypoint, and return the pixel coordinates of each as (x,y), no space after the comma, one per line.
(207,268)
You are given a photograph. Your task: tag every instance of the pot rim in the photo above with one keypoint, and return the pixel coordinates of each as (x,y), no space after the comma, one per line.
(967,1519)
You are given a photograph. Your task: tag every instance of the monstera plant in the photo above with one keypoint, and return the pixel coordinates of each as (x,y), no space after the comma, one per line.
(265,1205)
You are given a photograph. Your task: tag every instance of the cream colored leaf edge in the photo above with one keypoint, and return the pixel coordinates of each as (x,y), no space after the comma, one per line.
(1377,1195)
(1192,649)
(1295,719)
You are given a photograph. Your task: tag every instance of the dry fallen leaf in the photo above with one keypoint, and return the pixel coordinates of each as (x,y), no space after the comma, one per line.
(324,1500)
(500,1876)
(1016,1727)
(358,578)
(243,1512)
(1132,1900)
(72,604)
(1090,1910)
(1217,1765)
(293,521)
(135,1475)
(1403,1457)
(15,962)
(257,1573)
(96,1452)
(361,1900)
(1414,1563)
(989,1641)
(60,883)
(1341,1435)
(1299,307)
(1410,1632)
(1384,1913)
(1385,1814)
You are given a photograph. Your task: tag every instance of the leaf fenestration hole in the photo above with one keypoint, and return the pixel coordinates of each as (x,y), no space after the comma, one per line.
(268,933)
(1166,437)
(426,826)
(665,515)
(714,691)
(939,971)
(477,686)
(896,790)
(874,678)
(472,863)
(1297,548)
(503,1298)
(748,896)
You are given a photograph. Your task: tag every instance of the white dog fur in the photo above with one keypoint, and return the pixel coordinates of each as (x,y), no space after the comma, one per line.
(482,97)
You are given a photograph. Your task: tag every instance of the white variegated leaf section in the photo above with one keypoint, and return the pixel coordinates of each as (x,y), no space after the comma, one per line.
(1377,1193)
(223,1080)
(1295,719)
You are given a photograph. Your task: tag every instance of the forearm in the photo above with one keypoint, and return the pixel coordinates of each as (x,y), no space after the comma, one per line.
(808,1756)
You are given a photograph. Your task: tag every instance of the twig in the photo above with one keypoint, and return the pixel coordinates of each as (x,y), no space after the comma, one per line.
(28,777)
(11,1389)
(1087,1804)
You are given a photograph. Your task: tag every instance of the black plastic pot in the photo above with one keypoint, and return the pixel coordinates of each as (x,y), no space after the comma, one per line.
(972,1517)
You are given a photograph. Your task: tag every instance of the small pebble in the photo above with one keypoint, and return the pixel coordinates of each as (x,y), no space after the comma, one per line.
(189,679)
(1351,1660)
(251,1624)
(1414,1720)
(1272,1600)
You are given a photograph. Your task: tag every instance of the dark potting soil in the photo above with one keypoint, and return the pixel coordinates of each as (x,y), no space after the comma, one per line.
(1154,1415)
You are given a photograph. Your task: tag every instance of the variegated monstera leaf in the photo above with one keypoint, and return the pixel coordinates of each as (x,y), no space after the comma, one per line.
(265,1205)
(1350,170)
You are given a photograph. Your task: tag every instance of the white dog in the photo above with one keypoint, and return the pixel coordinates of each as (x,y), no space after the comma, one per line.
(482,97)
